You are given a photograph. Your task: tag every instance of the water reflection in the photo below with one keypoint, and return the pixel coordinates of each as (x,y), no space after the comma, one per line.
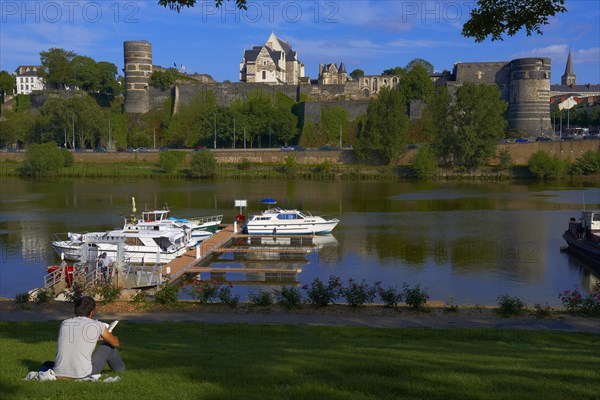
(472,241)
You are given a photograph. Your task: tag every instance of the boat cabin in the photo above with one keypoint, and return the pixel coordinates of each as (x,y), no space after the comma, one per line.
(156,215)
(591,220)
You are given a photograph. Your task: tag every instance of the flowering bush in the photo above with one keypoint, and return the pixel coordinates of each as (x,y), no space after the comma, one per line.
(357,294)
(204,291)
(320,295)
(262,298)
(508,305)
(288,297)
(390,296)
(226,297)
(575,301)
(415,297)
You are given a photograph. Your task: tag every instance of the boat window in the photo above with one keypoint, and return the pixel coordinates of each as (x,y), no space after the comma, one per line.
(286,216)
(596,217)
(134,241)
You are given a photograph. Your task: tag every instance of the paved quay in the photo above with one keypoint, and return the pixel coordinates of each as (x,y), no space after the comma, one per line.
(574,324)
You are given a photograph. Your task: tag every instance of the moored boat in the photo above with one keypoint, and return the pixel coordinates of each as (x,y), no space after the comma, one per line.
(277,221)
(583,236)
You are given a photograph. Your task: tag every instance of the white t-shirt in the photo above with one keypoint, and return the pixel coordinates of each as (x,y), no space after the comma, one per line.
(77,338)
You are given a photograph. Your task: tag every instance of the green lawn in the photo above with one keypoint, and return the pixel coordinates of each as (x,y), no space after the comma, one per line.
(202,361)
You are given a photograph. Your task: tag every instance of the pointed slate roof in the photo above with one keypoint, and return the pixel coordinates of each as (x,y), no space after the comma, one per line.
(569,66)
(342,68)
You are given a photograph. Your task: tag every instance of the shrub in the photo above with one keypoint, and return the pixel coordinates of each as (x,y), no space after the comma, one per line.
(544,166)
(288,297)
(171,160)
(22,298)
(542,311)
(320,295)
(289,167)
(504,159)
(139,297)
(226,297)
(587,164)
(244,164)
(357,294)
(76,291)
(414,297)
(575,301)
(203,165)
(69,159)
(424,163)
(44,296)
(43,160)
(390,296)
(204,291)
(109,293)
(262,298)
(167,293)
(509,305)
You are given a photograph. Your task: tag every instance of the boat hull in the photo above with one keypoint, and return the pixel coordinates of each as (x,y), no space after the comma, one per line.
(586,249)
(291,229)
(74,252)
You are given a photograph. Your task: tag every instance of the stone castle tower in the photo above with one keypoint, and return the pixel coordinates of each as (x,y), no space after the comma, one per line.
(138,68)
(568,77)
(529,99)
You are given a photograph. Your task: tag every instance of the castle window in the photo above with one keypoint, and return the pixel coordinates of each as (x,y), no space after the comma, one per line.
(264,75)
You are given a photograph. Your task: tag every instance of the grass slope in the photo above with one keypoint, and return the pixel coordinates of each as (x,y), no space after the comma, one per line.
(203,361)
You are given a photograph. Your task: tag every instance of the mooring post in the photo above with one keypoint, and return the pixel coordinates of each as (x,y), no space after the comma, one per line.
(234,226)
(197,251)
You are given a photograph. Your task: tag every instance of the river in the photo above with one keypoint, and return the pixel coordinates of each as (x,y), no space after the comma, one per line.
(466,242)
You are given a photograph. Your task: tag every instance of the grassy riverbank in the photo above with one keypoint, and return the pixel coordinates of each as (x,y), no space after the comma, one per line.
(204,361)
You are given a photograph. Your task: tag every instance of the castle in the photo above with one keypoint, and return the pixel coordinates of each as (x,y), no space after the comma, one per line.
(524,84)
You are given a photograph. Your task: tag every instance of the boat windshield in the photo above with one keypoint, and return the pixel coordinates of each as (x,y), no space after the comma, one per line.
(290,216)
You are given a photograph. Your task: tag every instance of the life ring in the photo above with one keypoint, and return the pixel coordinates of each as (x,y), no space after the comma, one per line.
(240,218)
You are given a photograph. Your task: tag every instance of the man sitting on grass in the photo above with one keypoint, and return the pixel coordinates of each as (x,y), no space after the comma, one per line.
(77,338)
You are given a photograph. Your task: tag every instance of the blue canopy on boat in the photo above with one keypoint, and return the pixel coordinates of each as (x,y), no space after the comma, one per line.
(183,221)
(269,201)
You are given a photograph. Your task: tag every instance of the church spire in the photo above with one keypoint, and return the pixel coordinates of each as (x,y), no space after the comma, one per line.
(569,76)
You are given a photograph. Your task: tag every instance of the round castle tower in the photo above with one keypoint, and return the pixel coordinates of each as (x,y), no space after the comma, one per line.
(138,68)
(529,98)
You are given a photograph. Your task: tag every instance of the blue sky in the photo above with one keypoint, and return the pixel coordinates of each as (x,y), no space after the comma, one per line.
(372,35)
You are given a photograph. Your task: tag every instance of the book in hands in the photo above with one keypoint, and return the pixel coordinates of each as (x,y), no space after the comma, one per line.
(111,326)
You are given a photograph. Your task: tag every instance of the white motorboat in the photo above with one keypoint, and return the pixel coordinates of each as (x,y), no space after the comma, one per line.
(277,221)
(201,227)
(133,246)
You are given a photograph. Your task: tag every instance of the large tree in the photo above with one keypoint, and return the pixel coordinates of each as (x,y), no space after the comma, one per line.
(57,67)
(7,83)
(385,131)
(419,61)
(472,126)
(498,17)
(357,74)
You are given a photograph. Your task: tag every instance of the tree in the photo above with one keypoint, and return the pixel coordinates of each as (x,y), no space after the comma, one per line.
(334,119)
(357,74)
(85,73)
(16,127)
(43,160)
(394,71)
(170,160)
(107,78)
(162,79)
(424,163)
(419,61)
(57,67)
(203,165)
(420,85)
(544,166)
(7,83)
(385,132)
(497,17)
(471,126)
(178,5)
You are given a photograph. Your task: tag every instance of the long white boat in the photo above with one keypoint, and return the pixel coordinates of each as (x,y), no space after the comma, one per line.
(137,246)
(201,227)
(277,221)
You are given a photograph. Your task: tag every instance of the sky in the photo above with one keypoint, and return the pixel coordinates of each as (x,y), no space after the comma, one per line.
(372,35)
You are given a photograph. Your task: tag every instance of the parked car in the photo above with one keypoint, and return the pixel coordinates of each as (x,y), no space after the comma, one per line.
(522,140)
(121,150)
(543,139)
(164,149)
(287,148)
(130,150)
(326,148)
(198,148)
(79,150)
(412,146)
(592,136)
(142,150)
(299,148)
(99,150)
